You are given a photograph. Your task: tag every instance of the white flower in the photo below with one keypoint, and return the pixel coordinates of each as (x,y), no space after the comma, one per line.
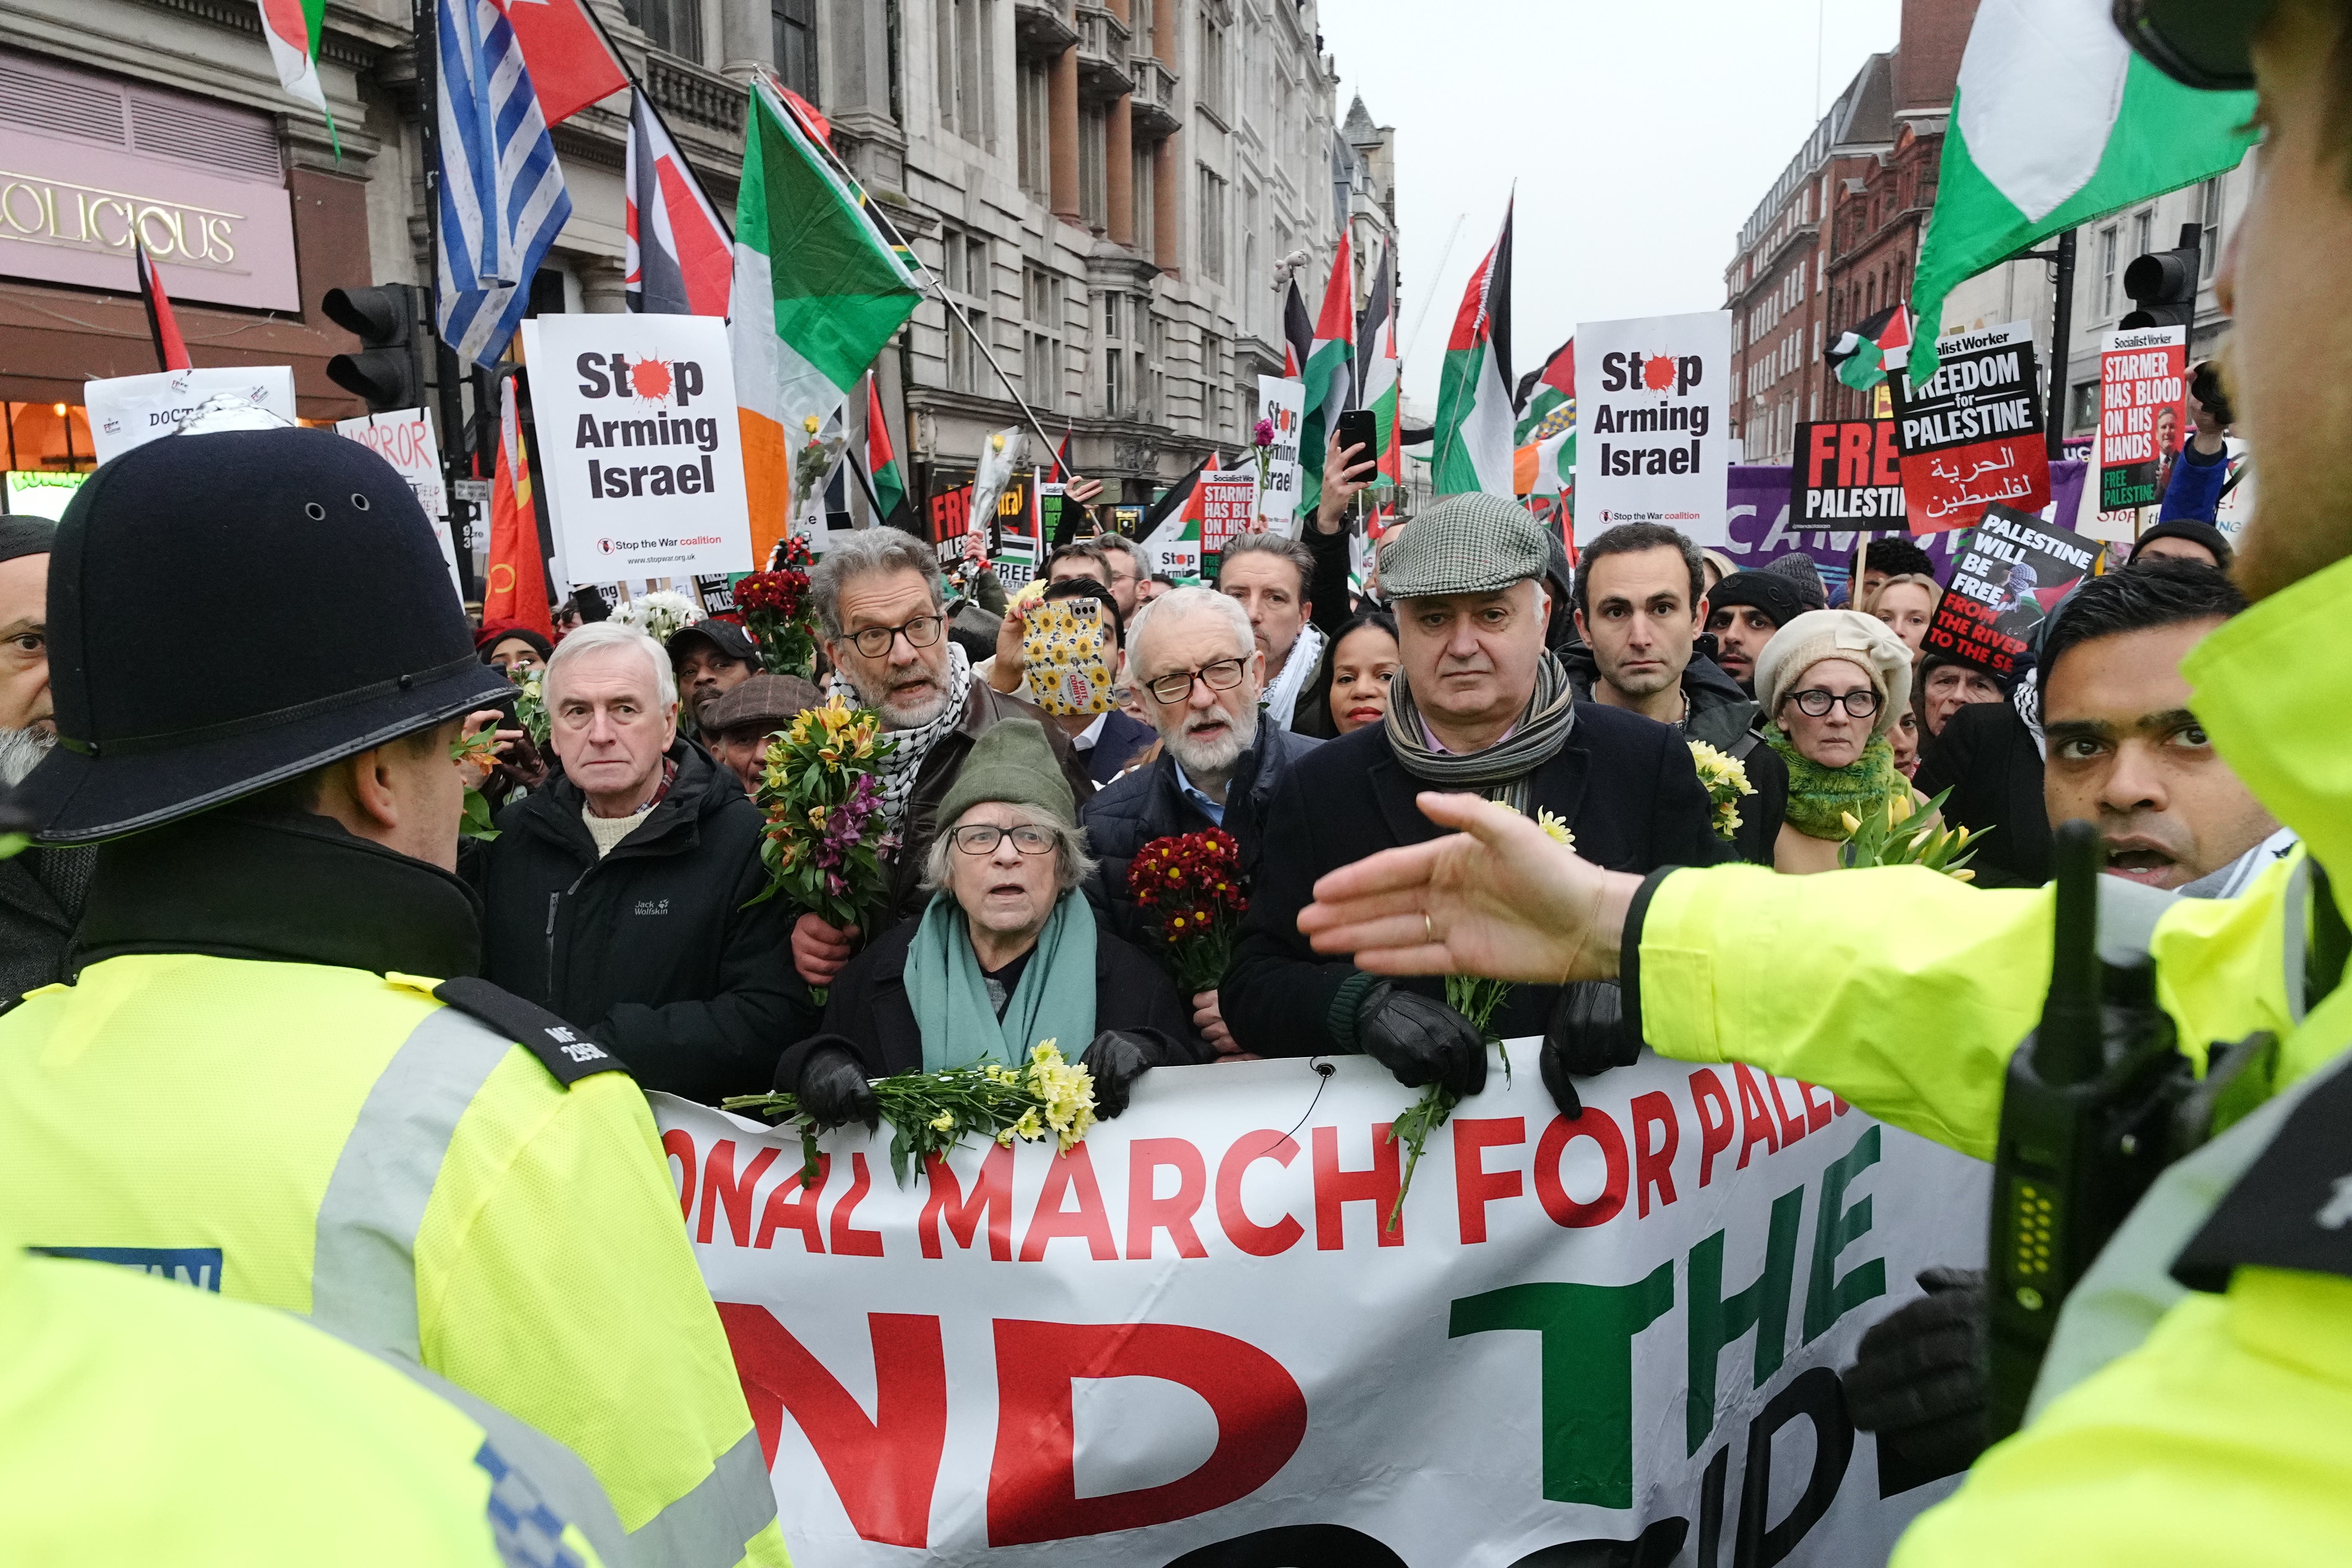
(660,615)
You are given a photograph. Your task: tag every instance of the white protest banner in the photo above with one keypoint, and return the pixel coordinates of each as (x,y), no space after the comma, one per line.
(638,444)
(1193,1342)
(129,411)
(1281,404)
(1177,558)
(2143,410)
(1654,441)
(404,439)
(1228,502)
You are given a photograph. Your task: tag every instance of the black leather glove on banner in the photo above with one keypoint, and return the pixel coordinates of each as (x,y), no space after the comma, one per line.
(1116,1059)
(1421,1040)
(1921,1377)
(833,1089)
(1587,1037)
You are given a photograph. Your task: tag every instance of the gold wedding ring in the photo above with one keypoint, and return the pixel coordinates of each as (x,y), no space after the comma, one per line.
(1428,932)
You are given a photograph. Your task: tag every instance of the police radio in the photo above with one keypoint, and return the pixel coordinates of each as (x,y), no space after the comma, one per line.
(2085,1127)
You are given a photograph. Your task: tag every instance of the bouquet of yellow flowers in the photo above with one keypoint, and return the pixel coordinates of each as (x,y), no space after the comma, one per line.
(932,1112)
(1724,778)
(1478,1000)
(1908,835)
(826,832)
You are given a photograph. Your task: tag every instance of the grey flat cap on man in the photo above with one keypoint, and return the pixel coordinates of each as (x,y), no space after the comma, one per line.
(1471,543)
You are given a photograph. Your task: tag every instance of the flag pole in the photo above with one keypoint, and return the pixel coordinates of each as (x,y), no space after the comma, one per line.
(926,277)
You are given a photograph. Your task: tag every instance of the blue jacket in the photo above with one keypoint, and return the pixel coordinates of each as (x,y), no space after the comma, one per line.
(2195,489)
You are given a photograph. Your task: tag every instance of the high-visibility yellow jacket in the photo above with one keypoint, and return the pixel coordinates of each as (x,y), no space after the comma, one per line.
(341,1145)
(140,1422)
(2171,1426)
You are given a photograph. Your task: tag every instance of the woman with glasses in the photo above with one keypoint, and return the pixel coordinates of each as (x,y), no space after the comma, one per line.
(1831,683)
(1006,953)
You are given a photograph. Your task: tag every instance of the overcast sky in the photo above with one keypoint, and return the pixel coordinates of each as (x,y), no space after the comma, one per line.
(1641,136)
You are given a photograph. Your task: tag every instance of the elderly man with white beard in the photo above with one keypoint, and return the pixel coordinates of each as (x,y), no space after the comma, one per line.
(41,889)
(1194,659)
(882,617)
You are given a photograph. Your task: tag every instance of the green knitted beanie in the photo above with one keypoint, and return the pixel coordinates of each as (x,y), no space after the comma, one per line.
(1011,761)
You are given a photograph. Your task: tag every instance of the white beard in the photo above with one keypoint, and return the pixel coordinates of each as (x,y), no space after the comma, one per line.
(21,752)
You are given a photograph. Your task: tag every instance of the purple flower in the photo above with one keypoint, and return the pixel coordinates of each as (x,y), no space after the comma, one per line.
(1263,436)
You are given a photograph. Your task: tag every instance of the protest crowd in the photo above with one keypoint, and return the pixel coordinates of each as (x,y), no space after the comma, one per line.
(408,972)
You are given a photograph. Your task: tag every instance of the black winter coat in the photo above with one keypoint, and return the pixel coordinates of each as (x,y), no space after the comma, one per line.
(651,949)
(868,1006)
(1624,785)
(1987,758)
(1148,804)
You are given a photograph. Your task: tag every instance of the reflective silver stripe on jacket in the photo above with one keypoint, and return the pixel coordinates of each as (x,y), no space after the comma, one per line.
(561,1478)
(363,1273)
(2127,915)
(709,1526)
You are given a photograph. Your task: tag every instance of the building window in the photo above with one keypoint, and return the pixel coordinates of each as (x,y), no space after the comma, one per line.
(2143,231)
(1213,225)
(2107,270)
(1094,138)
(1140,42)
(1125,373)
(1214,88)
(2208,238)
(967,39)
(1153,404)
(1032,116)
(672,26)
(964,272)
(795,22)
(1147,200)
(1041,362)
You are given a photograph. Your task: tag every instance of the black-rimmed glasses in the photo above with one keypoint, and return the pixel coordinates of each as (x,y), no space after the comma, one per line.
(920,632)
(1218,674)
(982,838)
(1816,703)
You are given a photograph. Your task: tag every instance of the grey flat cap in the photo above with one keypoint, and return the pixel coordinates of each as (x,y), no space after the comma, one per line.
(1470,544)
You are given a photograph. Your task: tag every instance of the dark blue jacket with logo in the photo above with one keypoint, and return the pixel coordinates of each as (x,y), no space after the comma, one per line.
(651,948)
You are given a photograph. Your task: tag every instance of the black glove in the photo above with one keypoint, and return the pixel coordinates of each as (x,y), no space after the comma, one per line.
(1587,1037)
(1419,1040)
(1116,1059)
(1922,1376)
(833,1087)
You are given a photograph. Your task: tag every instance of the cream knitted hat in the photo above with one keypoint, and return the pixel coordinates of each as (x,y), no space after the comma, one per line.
(1863,640)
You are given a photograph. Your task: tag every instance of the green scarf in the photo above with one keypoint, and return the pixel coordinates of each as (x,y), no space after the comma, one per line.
(1819,797)
(1054,1001)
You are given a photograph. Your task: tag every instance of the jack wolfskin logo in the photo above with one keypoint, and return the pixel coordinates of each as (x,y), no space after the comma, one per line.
(197,1266)
(653,906)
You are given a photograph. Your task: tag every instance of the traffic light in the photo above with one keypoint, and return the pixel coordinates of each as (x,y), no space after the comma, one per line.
(389,369)
(2164,282)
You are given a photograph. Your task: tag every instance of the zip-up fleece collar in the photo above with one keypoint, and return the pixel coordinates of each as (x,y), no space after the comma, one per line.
(672,826)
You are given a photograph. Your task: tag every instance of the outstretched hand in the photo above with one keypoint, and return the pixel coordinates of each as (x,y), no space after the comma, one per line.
(1499,899)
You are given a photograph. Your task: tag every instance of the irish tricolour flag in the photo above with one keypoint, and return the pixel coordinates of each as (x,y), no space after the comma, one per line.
(2055,123)
(1470,441)
(817,292)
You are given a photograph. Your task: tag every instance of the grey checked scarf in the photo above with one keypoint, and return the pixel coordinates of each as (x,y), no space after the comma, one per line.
(1502,770)
(899,771)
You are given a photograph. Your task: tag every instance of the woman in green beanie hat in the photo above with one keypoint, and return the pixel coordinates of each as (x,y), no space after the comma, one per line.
(1007,952)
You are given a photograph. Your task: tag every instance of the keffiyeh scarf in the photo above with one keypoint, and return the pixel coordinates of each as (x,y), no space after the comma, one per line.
(898,772)
(1280,703)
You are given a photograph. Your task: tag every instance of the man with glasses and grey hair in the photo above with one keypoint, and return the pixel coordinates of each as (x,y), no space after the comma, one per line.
(1193,661)
(883,622)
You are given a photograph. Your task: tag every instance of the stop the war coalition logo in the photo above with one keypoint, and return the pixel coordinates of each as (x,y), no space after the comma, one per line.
(640,445)
(1652,398)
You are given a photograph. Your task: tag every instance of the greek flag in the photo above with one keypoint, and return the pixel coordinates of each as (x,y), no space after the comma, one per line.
(502,195)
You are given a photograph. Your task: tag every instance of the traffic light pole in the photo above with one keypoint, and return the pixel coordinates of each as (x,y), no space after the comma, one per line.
(2062,327)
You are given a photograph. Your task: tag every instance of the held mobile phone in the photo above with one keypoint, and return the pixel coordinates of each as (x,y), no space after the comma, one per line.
(1360,427)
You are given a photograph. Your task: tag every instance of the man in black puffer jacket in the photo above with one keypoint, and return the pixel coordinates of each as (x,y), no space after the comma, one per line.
(616,896)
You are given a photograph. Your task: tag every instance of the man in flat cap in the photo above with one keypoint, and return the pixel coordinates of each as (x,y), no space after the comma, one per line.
(738,727)
(41,889)
(1478,705)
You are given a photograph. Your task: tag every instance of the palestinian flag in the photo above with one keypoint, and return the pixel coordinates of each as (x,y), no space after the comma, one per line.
(1329,372)
(171,350)
(2055,123)
(1470,440)
(1298,334)
(1376,360)
(890,504)
(1542,390)
(817,292)
(293,28)
(1864,353)
(1176,516)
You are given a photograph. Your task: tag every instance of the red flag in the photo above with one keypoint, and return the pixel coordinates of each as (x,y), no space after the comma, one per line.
(679,260)
(170,349)
(515,591)
(571,61)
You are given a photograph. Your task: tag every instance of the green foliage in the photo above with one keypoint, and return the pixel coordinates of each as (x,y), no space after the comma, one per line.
(1910,835)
